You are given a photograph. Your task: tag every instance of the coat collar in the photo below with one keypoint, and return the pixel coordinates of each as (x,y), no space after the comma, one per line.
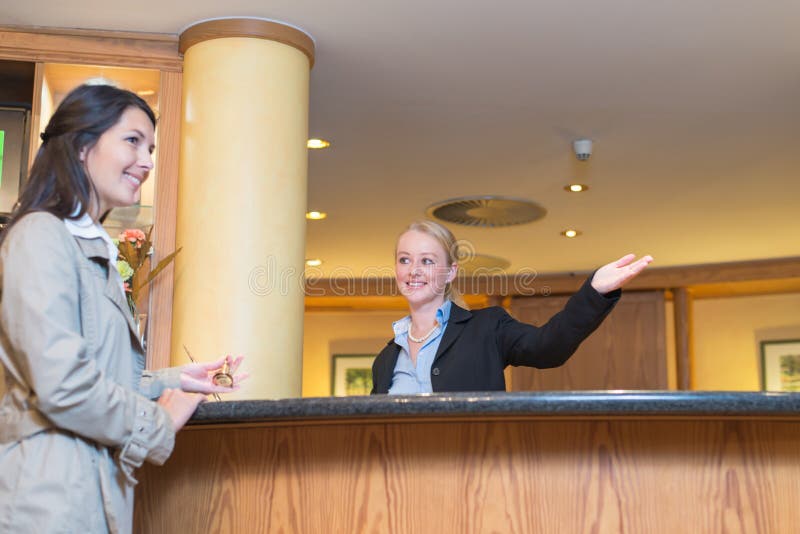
(458,319)
(95,249)
(388,363)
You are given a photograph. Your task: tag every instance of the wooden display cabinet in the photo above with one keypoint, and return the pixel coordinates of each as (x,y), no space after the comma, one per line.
(148,64)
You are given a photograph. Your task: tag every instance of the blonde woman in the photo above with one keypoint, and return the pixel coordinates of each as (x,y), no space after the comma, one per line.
(440,346)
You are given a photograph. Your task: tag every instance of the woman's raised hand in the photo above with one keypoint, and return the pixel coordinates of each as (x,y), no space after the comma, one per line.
(618,273)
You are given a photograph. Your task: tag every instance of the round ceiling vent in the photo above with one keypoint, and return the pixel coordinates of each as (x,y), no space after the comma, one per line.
(488,211)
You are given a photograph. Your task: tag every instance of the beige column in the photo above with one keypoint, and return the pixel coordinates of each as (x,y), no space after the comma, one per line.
(242,200)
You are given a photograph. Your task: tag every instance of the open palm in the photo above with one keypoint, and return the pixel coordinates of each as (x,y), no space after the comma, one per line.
(618,273)
(197,377)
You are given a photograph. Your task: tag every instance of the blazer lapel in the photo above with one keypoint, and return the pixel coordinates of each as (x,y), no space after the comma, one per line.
(455,324)
(390,363)
(95,250)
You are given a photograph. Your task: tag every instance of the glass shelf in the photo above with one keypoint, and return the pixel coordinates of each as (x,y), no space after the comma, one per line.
(120,219)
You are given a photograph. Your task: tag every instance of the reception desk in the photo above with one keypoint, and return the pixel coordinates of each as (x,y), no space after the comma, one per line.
(483,462)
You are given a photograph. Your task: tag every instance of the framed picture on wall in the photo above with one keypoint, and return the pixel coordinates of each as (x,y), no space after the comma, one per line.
(351,374)
(780,365)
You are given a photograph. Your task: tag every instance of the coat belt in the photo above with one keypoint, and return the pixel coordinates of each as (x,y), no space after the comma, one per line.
(17,425)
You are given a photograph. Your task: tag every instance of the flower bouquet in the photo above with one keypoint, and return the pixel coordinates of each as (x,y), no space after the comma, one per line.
(135,248)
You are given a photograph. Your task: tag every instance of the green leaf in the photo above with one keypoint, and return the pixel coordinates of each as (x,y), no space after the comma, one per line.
(153,273)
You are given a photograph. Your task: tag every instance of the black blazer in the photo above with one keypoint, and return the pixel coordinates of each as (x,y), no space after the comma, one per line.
(478,345)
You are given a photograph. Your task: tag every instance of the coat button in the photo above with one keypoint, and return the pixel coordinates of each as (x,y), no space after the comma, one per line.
(435,371)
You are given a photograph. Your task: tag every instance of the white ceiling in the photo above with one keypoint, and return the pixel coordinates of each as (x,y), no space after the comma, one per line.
(692,106)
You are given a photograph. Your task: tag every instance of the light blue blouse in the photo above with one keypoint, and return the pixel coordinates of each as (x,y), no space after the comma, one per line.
(408,380)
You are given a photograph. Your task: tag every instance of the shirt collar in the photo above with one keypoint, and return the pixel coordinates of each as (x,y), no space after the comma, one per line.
(86,228)
(401,326)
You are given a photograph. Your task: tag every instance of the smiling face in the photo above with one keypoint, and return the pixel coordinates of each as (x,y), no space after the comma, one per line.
(120,161)
(422,269)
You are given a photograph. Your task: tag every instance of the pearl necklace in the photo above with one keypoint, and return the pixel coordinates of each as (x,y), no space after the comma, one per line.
(423,338)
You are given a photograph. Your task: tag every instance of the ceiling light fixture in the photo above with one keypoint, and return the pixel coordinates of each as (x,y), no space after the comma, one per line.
(576,188)
(313,262)
(315,215)
(146,92)
(571,233)
(318,144)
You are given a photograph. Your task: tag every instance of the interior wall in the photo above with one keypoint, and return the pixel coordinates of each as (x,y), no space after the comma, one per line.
(340,332)
(627,351)
(727,336)
(727,331)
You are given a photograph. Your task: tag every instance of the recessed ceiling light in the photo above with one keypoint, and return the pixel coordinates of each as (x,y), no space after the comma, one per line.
(576,188)
(316,215)
(313,262)
(146,92)
(571,233)
(318,143)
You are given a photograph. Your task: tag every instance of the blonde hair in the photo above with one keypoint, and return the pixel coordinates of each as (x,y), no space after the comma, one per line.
(447,240)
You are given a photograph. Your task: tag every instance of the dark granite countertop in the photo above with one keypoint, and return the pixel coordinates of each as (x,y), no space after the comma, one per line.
(523,404)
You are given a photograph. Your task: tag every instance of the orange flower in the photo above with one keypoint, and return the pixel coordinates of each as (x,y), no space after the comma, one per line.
(134,249)
(133,235)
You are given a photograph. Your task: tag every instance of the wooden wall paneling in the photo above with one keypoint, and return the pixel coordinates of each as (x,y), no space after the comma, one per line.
(502,302)
(36,114)
(681,276)
(166,205)
(494,300)
(746,289)
(584,475)
(682,310)
(628,351)
(89,47)
(375,303)
(508,376)
(255,481)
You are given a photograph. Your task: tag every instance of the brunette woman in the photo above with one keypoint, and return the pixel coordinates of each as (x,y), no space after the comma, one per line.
(77,417)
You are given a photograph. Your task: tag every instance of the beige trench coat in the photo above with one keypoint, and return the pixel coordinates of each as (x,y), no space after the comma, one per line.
(76,419)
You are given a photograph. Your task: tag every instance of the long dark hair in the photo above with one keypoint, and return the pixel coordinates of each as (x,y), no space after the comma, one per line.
(58,182)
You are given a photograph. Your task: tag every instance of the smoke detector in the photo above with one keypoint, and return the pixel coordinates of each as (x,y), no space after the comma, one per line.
(582,148)
(487,211)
